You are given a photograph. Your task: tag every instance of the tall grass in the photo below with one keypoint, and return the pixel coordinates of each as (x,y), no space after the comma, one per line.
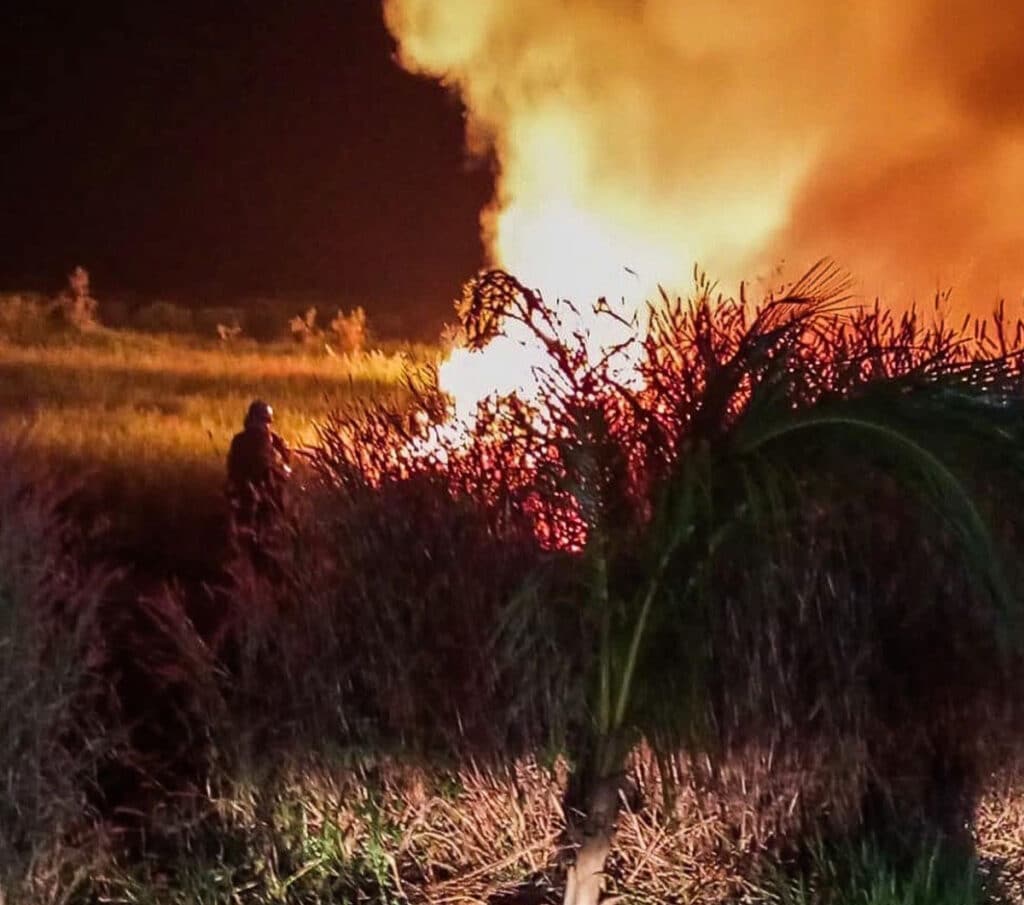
(865,874)
(406,699)
(793,543)
(374,829)
(87,396)
(50,744)
(399,653)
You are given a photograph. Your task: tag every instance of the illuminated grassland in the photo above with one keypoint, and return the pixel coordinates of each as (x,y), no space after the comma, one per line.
(144,421)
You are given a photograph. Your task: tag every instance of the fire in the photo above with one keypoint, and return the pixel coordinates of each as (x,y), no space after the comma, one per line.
(517,359)
(566,252)
(615,174)
(506,367)
(636,138)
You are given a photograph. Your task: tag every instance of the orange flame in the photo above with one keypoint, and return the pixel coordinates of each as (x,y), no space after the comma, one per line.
(634,138)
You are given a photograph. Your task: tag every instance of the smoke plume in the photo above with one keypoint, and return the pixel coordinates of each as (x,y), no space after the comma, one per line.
(655,134)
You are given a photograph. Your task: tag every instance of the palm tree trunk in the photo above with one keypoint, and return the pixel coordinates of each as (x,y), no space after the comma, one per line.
(585,880)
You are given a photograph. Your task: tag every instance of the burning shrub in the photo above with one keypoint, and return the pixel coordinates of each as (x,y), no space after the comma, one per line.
(751,596)
(757,534)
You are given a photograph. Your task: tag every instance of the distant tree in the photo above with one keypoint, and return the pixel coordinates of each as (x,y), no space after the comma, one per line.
(163,317)
(75,305)
(264,320)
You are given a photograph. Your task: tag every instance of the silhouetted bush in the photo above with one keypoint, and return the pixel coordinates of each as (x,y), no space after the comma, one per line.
(206,319)
(25,317)
(163,317)
(116,313)
(403,590)
(265,321)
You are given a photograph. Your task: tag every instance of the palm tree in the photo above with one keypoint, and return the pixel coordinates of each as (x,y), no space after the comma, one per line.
(741,467)
(789,533)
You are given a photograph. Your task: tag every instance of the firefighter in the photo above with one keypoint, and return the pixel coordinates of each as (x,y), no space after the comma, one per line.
(258,469)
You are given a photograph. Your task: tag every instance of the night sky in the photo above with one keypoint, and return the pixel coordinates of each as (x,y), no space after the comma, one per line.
(209,152)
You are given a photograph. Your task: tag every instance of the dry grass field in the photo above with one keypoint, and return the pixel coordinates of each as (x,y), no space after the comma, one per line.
(143,422)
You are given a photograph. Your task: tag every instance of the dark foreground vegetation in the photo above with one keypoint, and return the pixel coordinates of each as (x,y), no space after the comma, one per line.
(748,629)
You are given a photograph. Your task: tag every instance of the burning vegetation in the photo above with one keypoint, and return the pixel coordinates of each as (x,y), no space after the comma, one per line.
(741,574)
(775,536)
(694,599)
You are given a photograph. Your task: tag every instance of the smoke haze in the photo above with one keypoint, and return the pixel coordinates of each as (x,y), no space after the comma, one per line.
(653,134)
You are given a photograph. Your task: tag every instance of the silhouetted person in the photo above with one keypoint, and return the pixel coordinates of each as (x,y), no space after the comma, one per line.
(258,468)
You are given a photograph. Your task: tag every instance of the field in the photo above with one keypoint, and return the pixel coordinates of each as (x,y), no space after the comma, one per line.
(144,422)
(768,650)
